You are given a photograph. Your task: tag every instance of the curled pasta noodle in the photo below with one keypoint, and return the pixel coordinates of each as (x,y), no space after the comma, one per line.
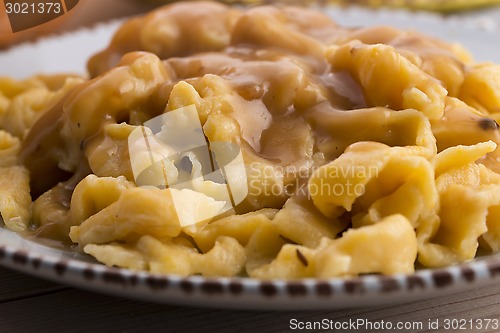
(409,88)
(481,88)
(15,199)
(93,194)
(346,256)
(302,223)
(239,227)
(452,234)
(226,258)
(169,33)
(443,61)
(26,101)
(9,149)
(358,182)
(404,128)
(154,215)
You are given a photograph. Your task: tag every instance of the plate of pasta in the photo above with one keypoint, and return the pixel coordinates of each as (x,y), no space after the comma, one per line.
(261,157)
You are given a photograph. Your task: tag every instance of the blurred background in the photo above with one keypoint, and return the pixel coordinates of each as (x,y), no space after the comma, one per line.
(89,12)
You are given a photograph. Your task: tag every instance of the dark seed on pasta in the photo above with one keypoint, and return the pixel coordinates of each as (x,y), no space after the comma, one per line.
(302,258)
(488,124)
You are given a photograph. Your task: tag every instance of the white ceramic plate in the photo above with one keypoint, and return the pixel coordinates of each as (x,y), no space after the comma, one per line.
(72,268)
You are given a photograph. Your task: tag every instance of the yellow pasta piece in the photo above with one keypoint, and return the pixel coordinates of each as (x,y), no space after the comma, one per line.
(15,199)
(166,257)
(371,176)
(490,240)
(407,177)
(301,222)
(226,258)
(267,26)
(460,227)
(26,107)
(240,227)
(443,61)
(447,69)
(60,208)
(263,246)
(452,236)
(117,255)
(335,186)
(340,129)
(169,32)
(463,125)
(292,262)
(184,94)
(57,141)
(457,158)
(93,194)
(210,94)
(389,79)
(222,128)
(109,155)
(154,214)
(481,88)
(266,186)
(23,109)
(10,88)
(388,247)
(9,149)
(50,213)
(113,95)
(466,192)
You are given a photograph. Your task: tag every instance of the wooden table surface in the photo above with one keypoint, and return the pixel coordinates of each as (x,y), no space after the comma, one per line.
(29,304)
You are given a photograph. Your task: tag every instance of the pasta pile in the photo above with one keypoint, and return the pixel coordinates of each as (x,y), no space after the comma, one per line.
(370,150)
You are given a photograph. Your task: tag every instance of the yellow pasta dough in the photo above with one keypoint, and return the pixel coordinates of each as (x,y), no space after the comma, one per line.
(15,199)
